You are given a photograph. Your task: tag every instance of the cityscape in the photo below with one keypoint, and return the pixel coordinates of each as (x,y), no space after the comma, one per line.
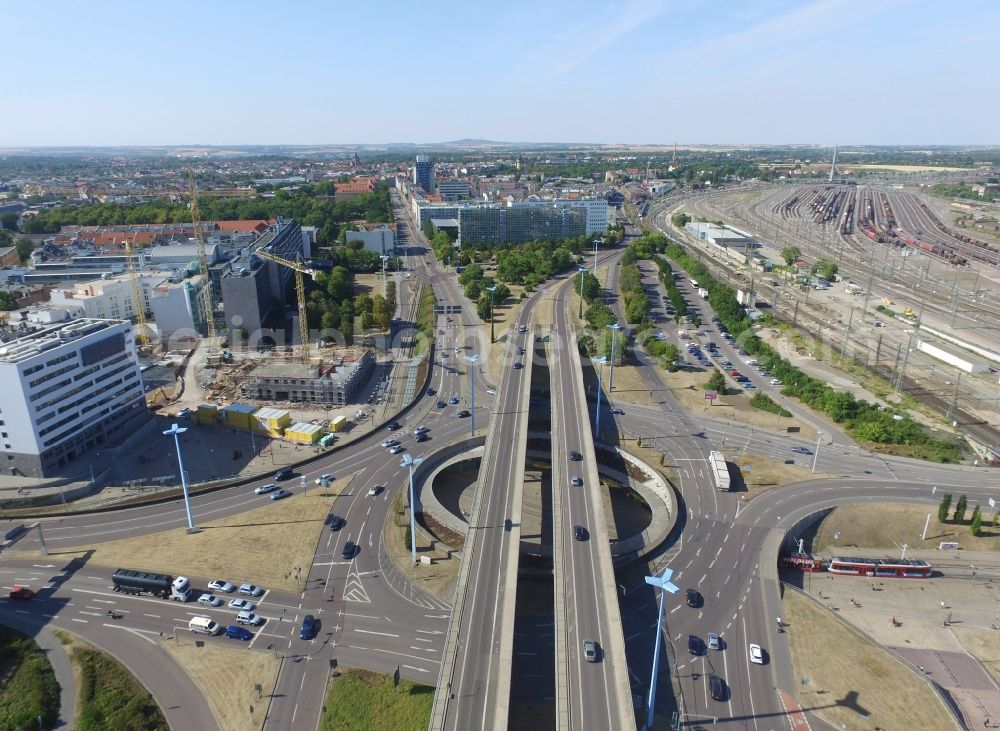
(480,415)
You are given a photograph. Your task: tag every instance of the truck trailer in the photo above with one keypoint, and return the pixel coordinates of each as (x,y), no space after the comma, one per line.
(142,582)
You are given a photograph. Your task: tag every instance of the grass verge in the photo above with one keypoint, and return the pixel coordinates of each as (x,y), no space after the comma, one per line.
(852,683)
(28,687)
(109,697)
(231,547)
(232,693)
(360,700)
(890,525)
(425,320)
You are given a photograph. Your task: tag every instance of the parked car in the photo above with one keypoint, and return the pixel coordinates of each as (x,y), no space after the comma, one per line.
(238,633)
(280,494)
(775,382)
(250,590)
(590,650)
(248,617)
(264,489)
(210,599)
(308,629)
(241,604)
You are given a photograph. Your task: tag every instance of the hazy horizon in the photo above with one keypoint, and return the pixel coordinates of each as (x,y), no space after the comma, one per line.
(888,72)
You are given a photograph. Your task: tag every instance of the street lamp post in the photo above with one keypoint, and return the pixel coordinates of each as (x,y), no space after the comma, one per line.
(615,329)
(493,337)
(176,431)
(582,271)
(596,242)
(385,285)
(600,387)
(472,360)
(412,462)
(662,583)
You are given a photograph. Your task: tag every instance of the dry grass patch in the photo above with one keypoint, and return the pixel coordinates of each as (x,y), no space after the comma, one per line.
(889,525)
(436,579)
(231,693)
(288,530)
(766,472)
(848,675)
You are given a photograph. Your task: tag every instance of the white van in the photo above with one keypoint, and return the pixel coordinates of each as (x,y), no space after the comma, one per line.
(204,625)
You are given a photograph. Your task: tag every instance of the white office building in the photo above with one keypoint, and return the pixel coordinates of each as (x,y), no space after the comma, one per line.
(381,240)
(66,390)
(107,299)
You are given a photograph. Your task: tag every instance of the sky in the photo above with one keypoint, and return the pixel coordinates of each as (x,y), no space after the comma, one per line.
(223,72)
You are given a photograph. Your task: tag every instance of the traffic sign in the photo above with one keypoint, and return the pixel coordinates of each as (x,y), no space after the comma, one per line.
(710,395)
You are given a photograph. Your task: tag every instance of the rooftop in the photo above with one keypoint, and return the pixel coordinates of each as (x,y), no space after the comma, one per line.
(37,342)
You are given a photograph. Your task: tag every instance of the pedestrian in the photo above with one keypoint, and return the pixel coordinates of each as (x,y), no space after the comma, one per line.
(942,604)
(921,667)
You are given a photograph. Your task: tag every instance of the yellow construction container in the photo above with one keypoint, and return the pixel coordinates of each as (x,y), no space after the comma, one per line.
(304,432)
(338,423)
(237,416)
(271,421)
(208,414)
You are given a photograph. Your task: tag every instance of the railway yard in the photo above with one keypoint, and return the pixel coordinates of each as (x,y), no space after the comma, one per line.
(906,277)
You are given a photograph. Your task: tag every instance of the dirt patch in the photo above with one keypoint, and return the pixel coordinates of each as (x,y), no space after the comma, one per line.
(230,694)
(435,579)
(852,683)
(753,474)
(890,525)
(287,531)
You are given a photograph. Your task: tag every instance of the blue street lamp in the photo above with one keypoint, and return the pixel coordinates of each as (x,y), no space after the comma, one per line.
(412,462)
(176,431)
(472,360)
(615,329)
(600,387)
(662,583)
(582,270)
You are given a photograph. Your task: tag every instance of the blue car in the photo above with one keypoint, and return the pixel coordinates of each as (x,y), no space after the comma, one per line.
(308,629)
(238,633)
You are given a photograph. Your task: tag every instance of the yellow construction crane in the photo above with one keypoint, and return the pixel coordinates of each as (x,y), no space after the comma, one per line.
(142,329)
(300,294)
(202,258)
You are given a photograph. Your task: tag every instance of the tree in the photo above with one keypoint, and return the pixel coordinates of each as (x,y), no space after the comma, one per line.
(599,315)
(8,220)
(716,382)
(825,269)
(24,248)
(977,521)
(671,354)
(680,220)
(473,289)
(381,312)
(8,301)
(944,507)
(960,508)
(790,254)
(483,306)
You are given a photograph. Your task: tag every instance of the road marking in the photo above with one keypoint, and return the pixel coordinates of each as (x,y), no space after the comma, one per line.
(372,632)
(422,639)
(84,621)
(419,670)
(390,652)
(91,614)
